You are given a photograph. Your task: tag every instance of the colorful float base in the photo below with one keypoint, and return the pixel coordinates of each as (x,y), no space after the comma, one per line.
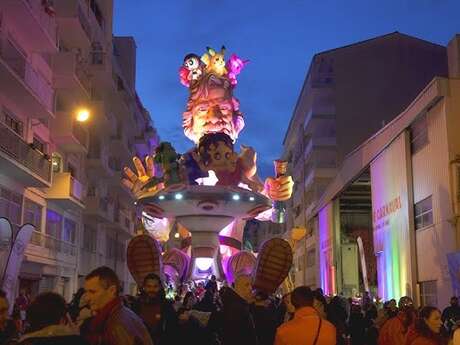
(205,211)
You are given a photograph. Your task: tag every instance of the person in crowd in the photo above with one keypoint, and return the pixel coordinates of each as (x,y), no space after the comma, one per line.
(112,323)
(212,284)
(451,314)
(265,320)
(189,300)
(49,322)
(426,329)
(156,311)
(356,325)
(74,305)
(286,309)
(307,326)
(366,301)
(393,331)
(337,315)
(8,329)
(207,304)
(234,324)
(371,332)
(191,328)
(22,303)
(320,303)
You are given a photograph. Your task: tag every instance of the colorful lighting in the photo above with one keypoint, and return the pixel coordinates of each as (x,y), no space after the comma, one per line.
(251,198)
(236,197)
(178,196)
(203,264)
(161,197)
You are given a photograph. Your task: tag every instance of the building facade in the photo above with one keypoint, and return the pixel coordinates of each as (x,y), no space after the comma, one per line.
(61,175)
(410,205)
(349,94)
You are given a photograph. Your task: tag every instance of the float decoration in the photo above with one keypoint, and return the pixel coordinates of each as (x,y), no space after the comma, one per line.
(211,189)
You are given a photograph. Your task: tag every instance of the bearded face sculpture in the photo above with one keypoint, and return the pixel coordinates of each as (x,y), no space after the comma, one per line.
(211,108)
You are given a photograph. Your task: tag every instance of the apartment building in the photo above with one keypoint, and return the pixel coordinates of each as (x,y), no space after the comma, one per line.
(349,94)
(59,174)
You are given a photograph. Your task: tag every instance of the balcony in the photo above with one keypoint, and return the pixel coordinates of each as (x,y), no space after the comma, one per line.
(121,145)
(101,71)
(88,261)
(101,116)
(21,162)
(69,134)
(23,85)
(67,191)
(123,222)
(70,75)
(37,25)
(318,172)
(315,142)
(115,182)
(99,209)
(98,159)
(46,246)
(77,23)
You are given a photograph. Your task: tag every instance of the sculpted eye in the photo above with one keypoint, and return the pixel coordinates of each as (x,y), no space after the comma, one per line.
(217,156)
(227,155)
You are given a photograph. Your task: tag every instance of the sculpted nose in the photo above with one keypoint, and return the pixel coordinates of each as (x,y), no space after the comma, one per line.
(215,112)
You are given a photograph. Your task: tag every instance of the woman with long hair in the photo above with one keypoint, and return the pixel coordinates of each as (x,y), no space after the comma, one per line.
(427,328)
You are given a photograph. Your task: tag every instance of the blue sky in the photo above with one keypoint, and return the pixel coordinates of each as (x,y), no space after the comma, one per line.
(279,37)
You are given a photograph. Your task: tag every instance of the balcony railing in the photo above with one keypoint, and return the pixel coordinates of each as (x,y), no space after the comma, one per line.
(80,133)
(16,148)
(47,21)
(53,244)
(76,189)
(33,79)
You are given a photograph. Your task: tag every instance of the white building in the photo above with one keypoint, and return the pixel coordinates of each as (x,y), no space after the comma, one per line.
(58,174)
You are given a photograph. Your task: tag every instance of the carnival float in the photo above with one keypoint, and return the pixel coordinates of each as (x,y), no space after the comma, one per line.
(209,192)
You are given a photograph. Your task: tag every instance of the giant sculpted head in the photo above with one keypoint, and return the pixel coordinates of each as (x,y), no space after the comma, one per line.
(211,108)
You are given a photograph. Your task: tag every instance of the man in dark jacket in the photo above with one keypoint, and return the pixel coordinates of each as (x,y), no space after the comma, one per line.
(156,311)
(265,319)
(234,323)
(8,330)
(113,323)
(451,314)
(49,322)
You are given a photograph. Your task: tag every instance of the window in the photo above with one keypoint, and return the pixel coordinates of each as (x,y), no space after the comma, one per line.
(70,230)
(33,214)
(423,213)
(39,145)
(89,239)
(12,122)
(428,293)
(53,224)
(418,134)
(11,206)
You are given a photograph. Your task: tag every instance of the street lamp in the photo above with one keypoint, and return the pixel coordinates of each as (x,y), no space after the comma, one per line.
(83,115)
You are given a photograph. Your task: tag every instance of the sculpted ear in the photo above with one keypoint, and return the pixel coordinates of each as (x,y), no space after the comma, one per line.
(211,51)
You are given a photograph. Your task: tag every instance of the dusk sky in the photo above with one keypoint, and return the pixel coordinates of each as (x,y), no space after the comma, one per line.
(279,37)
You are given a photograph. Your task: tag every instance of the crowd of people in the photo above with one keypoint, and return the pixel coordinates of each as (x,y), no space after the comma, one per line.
(204,314)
